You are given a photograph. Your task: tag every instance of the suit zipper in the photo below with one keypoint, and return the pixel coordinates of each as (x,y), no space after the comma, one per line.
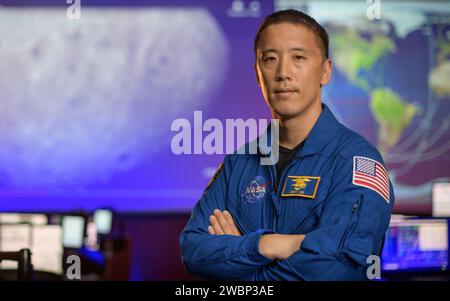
(273,174)
(283,172)
(349,225)
(276,185)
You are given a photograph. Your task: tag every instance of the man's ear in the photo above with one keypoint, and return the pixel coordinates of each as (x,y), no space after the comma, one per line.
(258,81)
(327,67)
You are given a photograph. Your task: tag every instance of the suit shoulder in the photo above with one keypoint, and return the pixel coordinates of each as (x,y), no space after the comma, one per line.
(353,144)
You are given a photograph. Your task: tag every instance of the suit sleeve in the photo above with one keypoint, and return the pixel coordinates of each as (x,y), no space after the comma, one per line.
(352,226)
(225,257)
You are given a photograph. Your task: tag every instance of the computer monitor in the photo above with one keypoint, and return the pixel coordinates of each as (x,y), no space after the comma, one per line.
(440,199)
(73,231)
(17,218)
(47,249)
(103,220)
(14,237)
(416,244)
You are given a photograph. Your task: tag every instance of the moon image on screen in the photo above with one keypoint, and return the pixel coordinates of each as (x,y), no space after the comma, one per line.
(83,99)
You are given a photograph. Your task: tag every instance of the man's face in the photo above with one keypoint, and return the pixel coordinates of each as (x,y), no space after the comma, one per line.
(290,68)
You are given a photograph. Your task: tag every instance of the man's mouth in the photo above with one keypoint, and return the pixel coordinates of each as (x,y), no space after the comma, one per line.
(284,92)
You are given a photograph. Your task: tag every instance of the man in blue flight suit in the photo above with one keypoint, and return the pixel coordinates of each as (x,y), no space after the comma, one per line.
(323,209)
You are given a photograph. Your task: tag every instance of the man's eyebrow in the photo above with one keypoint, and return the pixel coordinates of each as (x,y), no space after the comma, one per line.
(268,50)
(301,49)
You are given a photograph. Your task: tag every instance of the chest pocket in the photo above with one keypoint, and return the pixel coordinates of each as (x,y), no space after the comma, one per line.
(250,217)
(298,215)
(250,205)
(301,212)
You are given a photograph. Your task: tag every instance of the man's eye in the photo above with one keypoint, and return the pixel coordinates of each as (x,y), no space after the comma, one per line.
(299,57)
(269,59)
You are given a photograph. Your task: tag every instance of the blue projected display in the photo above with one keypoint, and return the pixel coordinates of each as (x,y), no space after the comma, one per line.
(416,245)
(88,105)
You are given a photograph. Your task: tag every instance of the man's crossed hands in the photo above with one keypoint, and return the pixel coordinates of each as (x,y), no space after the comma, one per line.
(272,246)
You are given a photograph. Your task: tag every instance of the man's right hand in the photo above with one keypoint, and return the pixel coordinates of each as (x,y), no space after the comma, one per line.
(272,246)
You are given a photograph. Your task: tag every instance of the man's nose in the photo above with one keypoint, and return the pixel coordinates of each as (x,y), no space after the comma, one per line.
(284,71)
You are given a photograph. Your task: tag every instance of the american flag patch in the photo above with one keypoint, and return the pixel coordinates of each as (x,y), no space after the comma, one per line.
(371,174)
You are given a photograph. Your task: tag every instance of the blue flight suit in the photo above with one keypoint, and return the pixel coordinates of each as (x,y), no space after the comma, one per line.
(344,221)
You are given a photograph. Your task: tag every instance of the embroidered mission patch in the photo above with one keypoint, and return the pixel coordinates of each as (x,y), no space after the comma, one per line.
(303,186)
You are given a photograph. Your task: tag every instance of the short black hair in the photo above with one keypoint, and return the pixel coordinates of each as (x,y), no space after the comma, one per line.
(295,17)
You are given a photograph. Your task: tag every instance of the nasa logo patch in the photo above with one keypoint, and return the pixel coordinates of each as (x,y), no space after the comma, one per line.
(255,190)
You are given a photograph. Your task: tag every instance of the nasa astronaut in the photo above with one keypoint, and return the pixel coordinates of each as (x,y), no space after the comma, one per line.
(322,209)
